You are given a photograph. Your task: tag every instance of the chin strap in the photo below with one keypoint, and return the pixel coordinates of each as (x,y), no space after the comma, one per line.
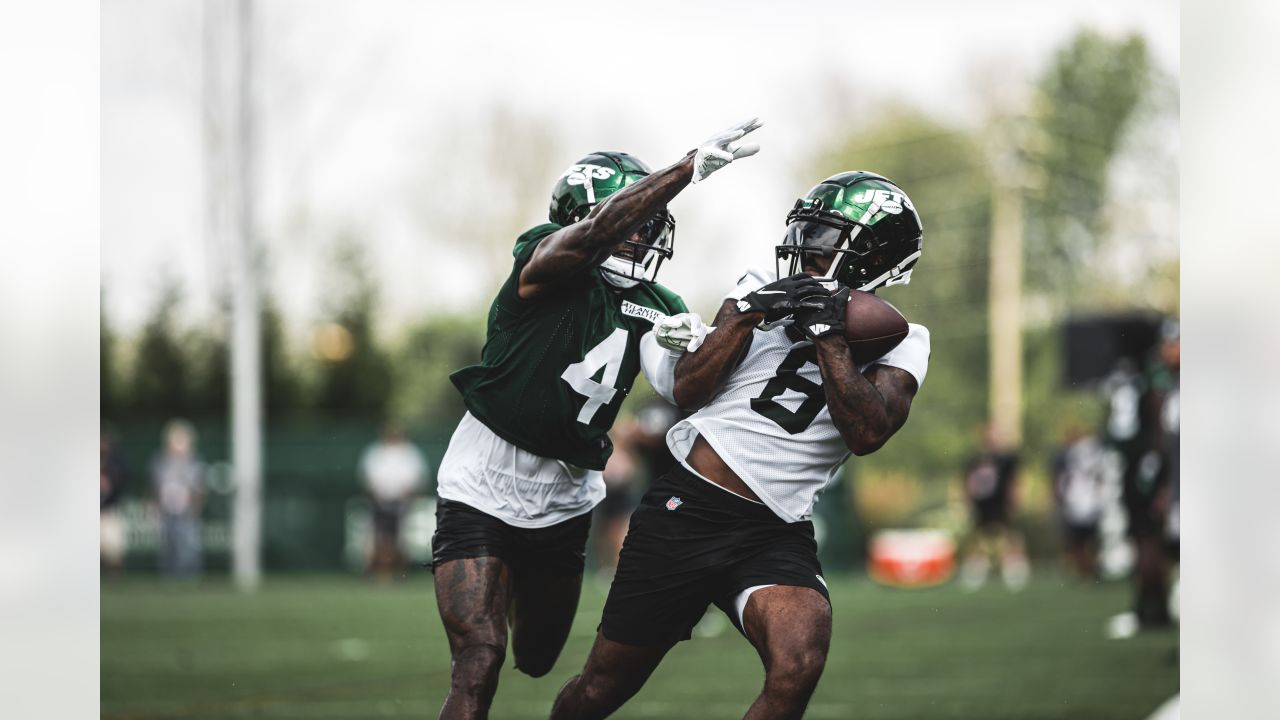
(896,274)
(618,272)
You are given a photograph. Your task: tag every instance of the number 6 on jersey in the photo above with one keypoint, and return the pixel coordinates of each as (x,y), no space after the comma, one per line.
(608,355)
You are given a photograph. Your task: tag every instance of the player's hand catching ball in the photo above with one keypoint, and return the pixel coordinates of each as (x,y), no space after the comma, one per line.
(782,297)
(818,317)
(681,333)
(720,149)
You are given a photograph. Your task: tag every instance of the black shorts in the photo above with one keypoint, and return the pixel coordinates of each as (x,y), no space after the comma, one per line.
(691,544)
(465,532)
(386,519)
(991,515)
(1077,536)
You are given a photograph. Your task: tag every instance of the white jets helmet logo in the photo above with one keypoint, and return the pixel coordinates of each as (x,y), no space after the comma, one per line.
(883,200)
(586,175)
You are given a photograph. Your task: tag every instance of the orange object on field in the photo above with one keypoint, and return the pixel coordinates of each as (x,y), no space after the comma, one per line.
(912,558)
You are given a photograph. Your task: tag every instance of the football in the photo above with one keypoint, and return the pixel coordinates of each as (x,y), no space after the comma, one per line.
(873,327)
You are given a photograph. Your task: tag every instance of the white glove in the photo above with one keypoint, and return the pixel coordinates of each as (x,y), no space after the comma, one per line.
(718,150)
(681,333)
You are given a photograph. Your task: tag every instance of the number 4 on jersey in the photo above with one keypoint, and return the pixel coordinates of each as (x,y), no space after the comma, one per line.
(607,355)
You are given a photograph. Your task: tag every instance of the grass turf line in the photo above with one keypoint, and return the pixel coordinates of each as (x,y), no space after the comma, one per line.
(338,647)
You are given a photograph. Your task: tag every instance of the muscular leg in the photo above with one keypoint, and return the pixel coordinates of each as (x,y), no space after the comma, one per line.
(613,673)
(542,611)
(791,629)
(473,595)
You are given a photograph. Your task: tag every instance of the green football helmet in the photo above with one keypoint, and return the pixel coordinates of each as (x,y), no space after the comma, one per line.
(864,222)
(592,179)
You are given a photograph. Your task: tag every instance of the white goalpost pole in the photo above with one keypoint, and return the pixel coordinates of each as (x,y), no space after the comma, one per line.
(229,137)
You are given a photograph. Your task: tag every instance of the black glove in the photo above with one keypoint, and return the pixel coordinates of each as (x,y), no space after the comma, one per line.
(780,298)
(822,316)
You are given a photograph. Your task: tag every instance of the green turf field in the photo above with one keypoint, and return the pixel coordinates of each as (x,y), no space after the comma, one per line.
(337,647)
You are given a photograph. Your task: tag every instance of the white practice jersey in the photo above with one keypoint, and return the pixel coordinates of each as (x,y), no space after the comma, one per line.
(770,422)
(519,488)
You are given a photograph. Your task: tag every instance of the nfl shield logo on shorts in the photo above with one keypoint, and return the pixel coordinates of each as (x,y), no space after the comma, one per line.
(674,503)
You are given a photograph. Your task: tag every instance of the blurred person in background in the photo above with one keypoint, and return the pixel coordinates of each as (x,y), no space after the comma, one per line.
(112,538)
(1143,426)
(649,435)
(1167,382)
(622,486)
(568,331)
(177,479)
(1078,469)
(393,471)
(991,487)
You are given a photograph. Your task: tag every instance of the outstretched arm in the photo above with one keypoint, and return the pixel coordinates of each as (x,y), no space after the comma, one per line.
(866,408)
(587,242)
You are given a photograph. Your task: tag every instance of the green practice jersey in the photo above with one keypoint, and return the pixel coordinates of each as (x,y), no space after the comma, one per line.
(555,370)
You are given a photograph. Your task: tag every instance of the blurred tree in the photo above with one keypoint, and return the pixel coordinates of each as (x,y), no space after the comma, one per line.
(431,350)
(941,169)
(1137,262)
(1092,101)
(1082,109)
(498,172)
(161,371)
(206,345)
(210,357)
(282,391)
(354,373)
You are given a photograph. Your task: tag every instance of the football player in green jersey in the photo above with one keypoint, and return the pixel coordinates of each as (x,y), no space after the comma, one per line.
(569,330)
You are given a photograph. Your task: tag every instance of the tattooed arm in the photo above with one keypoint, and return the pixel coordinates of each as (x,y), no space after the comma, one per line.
(867,408)
(699,374)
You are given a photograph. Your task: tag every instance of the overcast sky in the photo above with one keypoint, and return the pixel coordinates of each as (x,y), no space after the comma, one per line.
(356,98)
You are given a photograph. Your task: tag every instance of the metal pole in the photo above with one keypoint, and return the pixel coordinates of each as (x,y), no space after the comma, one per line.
(246,352)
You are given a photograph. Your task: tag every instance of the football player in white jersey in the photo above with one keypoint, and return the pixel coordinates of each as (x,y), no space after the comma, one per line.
(780,406)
